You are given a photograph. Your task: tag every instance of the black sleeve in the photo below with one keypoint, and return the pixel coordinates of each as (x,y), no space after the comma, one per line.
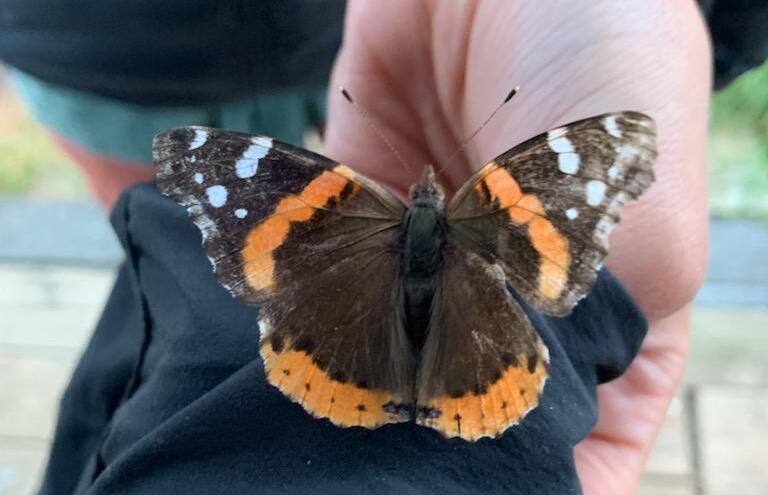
(739,36)
(173,52)
(201,51)
(171,397)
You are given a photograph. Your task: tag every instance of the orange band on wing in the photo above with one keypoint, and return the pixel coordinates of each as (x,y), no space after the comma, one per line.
(262,240)
(502,186)
(526,209)
(553,247)
(488,414)
(345,404)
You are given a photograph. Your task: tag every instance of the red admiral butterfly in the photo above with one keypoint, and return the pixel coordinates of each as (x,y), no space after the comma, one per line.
(373,312)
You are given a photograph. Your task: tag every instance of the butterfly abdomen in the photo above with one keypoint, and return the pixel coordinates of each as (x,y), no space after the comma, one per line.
(424,238)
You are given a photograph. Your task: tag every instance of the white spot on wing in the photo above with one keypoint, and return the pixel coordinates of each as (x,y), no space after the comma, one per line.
(617,202)
(204,223)
(263,141)
(556,133)
(207,228)
(614,171)
(248,164)
(568,163)
(241,212)
(263,327)
(595,192)
(199,178)
(561,145)
(217,195)
(200,138)
(627,154)
(603,230)
(572,213)
(611,126)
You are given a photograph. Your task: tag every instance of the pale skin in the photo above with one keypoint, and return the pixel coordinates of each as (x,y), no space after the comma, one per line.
(429,72)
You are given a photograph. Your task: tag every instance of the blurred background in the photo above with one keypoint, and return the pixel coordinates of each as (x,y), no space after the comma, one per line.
(58,256)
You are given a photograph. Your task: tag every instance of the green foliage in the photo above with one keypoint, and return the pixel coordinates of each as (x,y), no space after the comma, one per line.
(738,162)
(29,161)
(745,101)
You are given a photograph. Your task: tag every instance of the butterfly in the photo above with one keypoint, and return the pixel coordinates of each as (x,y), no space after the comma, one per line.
(373,312)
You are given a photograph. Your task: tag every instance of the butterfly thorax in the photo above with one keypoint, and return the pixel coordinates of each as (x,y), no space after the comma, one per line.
(423,239)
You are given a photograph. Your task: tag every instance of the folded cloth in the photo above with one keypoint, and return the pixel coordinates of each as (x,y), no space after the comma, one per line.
(189,53)
(170,395)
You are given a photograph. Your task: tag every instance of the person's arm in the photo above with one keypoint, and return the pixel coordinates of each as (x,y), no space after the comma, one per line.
(430,72)
(108,176)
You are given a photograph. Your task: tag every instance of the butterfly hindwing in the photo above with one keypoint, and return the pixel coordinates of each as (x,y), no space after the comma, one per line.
(483,365)
(337,344)
(315,245)
(544,209)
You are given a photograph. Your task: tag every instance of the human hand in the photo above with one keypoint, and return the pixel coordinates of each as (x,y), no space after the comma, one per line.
(429,72)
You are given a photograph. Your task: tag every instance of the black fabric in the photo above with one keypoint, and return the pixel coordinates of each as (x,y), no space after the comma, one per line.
(170,53)
(202,51)
(170,396)
(739,36)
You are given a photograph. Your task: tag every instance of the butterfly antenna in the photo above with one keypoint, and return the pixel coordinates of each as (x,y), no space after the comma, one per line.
(464,143)
(373,126)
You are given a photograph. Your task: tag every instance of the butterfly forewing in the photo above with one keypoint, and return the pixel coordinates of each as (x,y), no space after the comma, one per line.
(231,182)
(544,209)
